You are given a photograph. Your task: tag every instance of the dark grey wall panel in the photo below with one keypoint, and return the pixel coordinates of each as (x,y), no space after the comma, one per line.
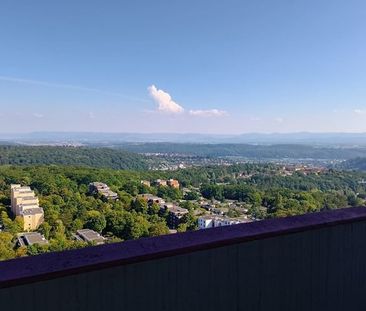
(321,269)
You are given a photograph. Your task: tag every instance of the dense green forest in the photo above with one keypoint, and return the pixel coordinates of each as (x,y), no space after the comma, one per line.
(117,158)
(249,151)
(78,156)
(63,193)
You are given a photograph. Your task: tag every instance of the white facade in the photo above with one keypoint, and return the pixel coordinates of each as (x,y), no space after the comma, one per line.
(220,222)
(205,222)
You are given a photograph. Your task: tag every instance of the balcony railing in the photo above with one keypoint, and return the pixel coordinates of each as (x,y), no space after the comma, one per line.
(311,262)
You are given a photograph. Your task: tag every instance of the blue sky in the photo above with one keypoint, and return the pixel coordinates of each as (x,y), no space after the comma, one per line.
(183,66)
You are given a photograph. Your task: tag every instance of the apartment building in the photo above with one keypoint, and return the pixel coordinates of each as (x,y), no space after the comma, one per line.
(102,189)
(25,204)
(212,221)
(160,183)
(175,215)
(205,222)
(173,183)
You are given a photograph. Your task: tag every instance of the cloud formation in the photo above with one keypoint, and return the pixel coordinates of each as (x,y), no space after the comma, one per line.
(167,105)
(164,100)
(208,113)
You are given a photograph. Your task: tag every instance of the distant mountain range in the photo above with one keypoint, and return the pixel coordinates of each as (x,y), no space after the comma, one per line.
(76,138)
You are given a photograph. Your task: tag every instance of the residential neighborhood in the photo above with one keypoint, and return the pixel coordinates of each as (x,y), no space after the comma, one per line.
(178,214)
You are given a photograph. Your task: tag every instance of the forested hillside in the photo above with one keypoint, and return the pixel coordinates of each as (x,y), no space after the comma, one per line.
(77,156)
(248,151)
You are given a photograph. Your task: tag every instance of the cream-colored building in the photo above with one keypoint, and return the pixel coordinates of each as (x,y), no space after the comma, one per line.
(173,183)
(24,203)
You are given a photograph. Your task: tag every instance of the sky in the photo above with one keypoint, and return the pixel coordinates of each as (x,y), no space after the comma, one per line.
(227,67)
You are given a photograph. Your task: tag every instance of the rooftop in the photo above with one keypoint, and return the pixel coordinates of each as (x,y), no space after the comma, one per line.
(211,217)
(28,198)
(103,189)
(31,238)
(20,190)
(151,197)
(98,184)
(176,209)
(90,236)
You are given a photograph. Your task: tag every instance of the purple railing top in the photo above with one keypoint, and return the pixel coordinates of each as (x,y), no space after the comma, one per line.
(43,267)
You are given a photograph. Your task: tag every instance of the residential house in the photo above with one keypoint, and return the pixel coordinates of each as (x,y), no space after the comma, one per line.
(89,236)
(150,198)
(31,238)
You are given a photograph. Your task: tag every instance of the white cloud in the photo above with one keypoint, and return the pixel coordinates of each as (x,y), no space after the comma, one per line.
(38,115)
(360,111)
(164,100)
(208,113)
(167,105)
(91,115)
